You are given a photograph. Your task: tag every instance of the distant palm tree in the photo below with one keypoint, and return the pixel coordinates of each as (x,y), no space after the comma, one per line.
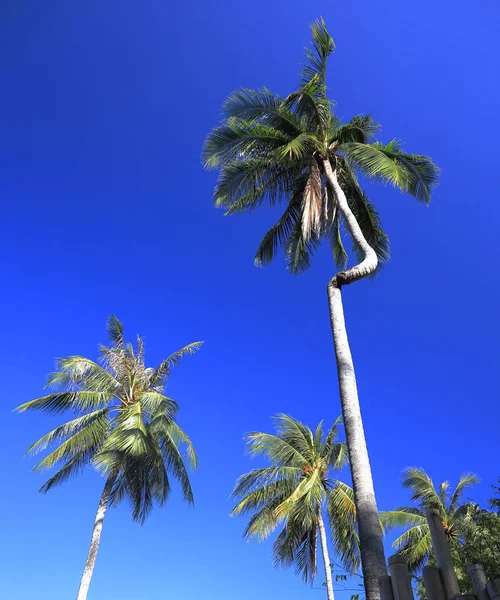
(297,151)
(126,430)
(294,492)
(415,543)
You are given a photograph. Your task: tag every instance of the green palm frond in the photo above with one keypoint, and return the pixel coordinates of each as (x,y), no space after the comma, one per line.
(81,401)
(277,449)
(236,138)
(163,370)
(466,481)
(402,517)
(360,129)
(341,511)
(422,488)
(114,330)
(278,234)
(316,57)
(415,545)
(263,106)
(297,546)
(95,423)
(414,174)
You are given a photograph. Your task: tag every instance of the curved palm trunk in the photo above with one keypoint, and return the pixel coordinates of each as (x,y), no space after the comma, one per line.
(326,557)
(370,531)
(96,537)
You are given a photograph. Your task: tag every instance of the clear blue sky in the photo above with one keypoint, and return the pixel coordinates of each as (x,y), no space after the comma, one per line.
(105,208)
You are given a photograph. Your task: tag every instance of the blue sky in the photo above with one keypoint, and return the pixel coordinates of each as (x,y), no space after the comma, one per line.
(105,208)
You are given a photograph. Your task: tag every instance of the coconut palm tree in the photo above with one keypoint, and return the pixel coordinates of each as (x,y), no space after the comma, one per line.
(125,429)
(295,492)
(415,543)
(297,151)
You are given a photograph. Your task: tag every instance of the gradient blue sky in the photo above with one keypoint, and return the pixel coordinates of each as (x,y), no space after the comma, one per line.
(105,208)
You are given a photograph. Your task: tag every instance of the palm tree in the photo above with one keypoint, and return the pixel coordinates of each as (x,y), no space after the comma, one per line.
(415,543)
(294,492)
(126,430)
(296,150)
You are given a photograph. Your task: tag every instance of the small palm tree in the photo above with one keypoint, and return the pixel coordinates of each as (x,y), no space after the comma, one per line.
(415,543)
(296,150)
(126,430)
(294,492)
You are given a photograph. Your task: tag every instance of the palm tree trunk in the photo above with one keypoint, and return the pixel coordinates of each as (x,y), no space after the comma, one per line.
(326,557)
(96,537)
(370,532)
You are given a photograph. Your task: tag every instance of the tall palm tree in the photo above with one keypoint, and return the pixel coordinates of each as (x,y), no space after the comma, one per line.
(415,543)
(126,430)
(296,150)
(294,492)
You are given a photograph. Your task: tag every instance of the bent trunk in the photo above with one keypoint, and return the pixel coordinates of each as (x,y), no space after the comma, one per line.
(96,537)
(370,531)
(326,557)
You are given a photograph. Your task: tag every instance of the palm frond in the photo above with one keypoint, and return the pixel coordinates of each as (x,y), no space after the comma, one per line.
(410,173)
(80,401)
(361,129)
(422,488)
(316,57)
(236,138)
(341,512)
(114,330)
(467,480)
(263,106)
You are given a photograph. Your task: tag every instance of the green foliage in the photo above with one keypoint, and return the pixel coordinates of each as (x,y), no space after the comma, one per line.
(415,543)
(481,538)
(125,425)
(293,492)
(270,149)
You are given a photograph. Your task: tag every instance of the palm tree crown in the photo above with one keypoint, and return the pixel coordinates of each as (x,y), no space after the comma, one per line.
(270,148)
(415,543)
(294,491)
(126,425)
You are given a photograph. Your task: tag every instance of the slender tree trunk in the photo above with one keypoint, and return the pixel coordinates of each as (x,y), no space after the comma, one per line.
(96,537)
(370,532)
(326,557)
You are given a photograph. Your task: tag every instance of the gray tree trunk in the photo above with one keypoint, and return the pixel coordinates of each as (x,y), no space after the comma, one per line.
(370,532)
(96,537)
(326,557)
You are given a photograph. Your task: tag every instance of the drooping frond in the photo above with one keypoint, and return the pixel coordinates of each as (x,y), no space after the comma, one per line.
(312,202)
(411,173)
(278,234)
(365,213)
(298,250)
(341,511)
(95,423)
(297,545)
(247,184)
